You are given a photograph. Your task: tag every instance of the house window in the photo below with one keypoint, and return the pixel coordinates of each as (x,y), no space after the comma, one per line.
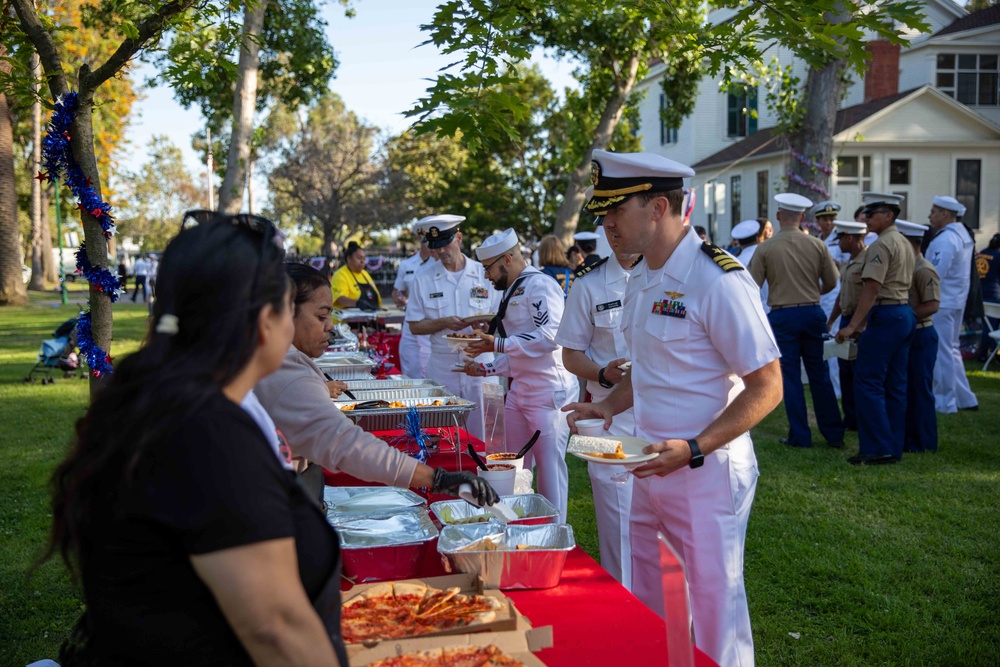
(967,179)
(668,135)
(762,194)
(735,198)
(899,172)
(854,171)
(971,78)
(741,111)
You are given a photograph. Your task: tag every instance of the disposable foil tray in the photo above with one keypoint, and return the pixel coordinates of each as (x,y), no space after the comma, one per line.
(384,419)
(510,568)
(533,507)
(385,545)
(400,394)
(365,385)
(355,500)
(352,366)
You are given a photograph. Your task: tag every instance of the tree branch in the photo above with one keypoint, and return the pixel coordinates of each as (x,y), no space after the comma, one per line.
(150,26)
(42,41)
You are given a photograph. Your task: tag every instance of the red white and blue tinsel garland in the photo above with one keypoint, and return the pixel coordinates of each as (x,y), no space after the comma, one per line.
(57,160)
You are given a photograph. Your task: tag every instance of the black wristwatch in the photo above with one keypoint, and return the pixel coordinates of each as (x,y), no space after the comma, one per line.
(697,458)
(602,380)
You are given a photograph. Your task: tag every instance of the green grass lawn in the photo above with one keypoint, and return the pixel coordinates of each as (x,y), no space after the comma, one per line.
(886,565)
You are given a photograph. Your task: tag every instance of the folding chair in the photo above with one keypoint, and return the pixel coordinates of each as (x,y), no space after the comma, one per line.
(991,311)
(676,606)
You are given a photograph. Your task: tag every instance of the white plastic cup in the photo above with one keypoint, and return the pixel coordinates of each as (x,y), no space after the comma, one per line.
(502,481)
(591,427)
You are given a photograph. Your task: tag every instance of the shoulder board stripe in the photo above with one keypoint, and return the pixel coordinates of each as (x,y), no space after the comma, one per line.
(579,273)
(720,257)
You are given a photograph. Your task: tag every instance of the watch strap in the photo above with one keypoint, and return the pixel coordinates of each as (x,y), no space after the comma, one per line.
(603,381)
(697,458)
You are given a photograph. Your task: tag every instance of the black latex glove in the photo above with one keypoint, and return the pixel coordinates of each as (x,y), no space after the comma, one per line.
(448,482)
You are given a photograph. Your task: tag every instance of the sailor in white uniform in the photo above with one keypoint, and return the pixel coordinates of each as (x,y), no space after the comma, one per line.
(825,213)
(950,251)
(704,372)
(413,350)
(593,349)
(523,333)
(749,234)
(440,297)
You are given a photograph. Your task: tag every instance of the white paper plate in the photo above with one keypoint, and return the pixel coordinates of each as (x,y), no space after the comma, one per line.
(453,339)
(631,446)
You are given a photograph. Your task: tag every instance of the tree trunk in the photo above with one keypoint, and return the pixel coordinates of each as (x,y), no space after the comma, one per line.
(50,270)
(12,290)
(813,141)
(37,231)
(244,101)
(569,211)
(332,224)
(251,203)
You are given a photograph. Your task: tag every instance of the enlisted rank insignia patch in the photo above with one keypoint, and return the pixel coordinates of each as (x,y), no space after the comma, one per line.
(877,259)
(437,295)
(480,292)
(518,292)
(540,318)
(725,261)
(670,307)
(609,305)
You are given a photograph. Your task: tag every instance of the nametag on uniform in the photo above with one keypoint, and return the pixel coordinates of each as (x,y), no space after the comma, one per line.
(436,295)
(480,292)
(609,305)
(670,308)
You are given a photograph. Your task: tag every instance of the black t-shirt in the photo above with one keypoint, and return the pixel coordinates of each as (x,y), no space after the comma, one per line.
(988,264)
(212,485)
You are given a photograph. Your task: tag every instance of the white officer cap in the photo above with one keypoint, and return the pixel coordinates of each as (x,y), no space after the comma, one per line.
(498,244)
(912,229)
(949,204)
(745,230)
(873,200)
(439,230)
(617,177)
(790,201)
(827,207)
(585,236)
(849,227)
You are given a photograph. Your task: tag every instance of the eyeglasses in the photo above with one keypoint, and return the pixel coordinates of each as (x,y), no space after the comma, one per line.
(487,267)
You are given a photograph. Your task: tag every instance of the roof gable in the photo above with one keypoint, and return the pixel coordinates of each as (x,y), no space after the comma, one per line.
(981,19)
(923,115)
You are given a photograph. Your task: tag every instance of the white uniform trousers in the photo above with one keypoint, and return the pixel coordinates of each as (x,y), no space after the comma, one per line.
(703,513)
(612,506)
(827,302)
(413,353)
(951,386)
(439,369)
(527,411)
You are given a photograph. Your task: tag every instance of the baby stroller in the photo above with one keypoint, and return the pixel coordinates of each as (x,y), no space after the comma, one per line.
(57,353)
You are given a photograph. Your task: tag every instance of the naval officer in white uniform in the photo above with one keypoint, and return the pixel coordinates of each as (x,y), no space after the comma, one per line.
(950,251)
(593,349)
(441,296)
(523,334)
(824,213)
(413,350)
(704,372)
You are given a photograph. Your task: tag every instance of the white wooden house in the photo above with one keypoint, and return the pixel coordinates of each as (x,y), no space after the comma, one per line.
(941,135)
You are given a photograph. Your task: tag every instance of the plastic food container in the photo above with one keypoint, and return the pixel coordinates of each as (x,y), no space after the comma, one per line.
(382,546)
(353,500)
(539,566)
(352,366)
(534,507)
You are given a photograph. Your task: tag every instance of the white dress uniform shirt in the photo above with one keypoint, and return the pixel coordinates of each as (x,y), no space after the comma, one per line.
(694,331)
(829,300)
(541,384)
(413,350)
(746,254)
(437,292)
(950,251)
(592,323)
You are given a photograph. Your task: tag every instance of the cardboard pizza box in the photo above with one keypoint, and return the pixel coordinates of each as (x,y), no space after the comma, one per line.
(508,620)
(519,645)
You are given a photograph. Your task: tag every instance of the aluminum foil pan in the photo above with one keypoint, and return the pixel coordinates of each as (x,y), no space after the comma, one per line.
(352,366)
(533,507)
(510,568)
(384,529)
(385,419)
(400,394)
(353,500)
(367,384)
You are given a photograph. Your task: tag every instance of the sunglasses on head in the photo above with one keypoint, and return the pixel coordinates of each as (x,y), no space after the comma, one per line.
(254,223)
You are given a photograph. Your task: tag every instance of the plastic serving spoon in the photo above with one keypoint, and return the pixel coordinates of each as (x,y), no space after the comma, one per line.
(500,509)
(524,450)
(475,457)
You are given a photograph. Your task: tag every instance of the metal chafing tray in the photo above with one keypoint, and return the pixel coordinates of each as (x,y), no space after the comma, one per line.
(351,366)
(534,508)
(354,500)
(367,384)
(385,545)
(384,419)
(400,394)
(509,567)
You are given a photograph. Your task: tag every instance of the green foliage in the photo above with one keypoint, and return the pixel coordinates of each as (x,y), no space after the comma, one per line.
(783,94)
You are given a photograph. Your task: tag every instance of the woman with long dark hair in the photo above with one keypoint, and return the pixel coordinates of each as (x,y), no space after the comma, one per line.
(194,545)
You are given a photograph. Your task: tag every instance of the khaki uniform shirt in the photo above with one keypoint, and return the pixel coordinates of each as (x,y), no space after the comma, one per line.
(793,264)
(889,262)
(926,285)
(850,282)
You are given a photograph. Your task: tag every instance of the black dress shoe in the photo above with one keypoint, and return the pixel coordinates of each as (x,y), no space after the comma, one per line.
(836,445)
(786,441)
(861,460)
(971,408)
